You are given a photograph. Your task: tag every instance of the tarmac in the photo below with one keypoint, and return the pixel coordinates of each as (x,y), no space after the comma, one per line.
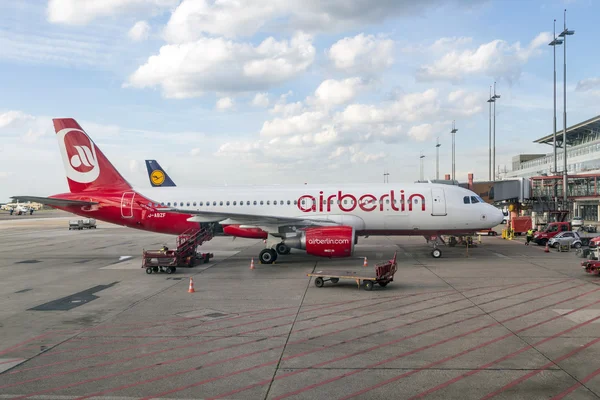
(81,319)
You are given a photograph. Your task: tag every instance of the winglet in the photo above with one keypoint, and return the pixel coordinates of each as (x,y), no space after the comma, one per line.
(157,175)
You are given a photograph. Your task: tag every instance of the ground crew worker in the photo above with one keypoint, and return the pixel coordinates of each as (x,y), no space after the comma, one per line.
(529,236)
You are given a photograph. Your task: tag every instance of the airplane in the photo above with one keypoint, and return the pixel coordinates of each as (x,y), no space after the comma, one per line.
(324,220)
(157,175)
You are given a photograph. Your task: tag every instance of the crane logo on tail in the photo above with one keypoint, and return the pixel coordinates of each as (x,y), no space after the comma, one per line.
(79,155)
(158,177)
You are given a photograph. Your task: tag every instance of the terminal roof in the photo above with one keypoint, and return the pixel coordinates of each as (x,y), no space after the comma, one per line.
(576,134)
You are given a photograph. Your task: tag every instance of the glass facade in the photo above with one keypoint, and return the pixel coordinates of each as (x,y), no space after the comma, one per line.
(580,159)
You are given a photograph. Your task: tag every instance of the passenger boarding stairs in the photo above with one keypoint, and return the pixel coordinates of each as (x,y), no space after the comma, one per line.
(183,256)
(188,242)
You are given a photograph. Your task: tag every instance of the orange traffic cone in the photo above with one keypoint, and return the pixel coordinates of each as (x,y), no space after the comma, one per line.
(365,263)
(252,263)
(191,289)
(546,249)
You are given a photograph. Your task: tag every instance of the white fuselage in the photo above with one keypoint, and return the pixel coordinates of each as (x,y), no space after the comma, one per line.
(411,208)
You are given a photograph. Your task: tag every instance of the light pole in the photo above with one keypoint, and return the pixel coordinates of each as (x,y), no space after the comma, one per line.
(385,177)
(437,159)
(453,131)
(555,43)
(564,35)
(490,101)
(495,97)
(422,178)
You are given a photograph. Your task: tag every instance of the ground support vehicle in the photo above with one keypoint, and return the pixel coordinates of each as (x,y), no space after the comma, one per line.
(551,230)
(76,224)
(185,255)
(89,223)
(592,264)
(382,275)
(80,224)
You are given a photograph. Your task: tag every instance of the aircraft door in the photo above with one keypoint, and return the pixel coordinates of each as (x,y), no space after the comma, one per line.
(438,202)
(127,204)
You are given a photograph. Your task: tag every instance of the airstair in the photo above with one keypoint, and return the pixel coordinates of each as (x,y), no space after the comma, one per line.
(185,255)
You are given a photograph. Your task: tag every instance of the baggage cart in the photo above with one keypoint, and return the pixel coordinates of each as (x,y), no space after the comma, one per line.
(383,274)
(76,224)
(89,223)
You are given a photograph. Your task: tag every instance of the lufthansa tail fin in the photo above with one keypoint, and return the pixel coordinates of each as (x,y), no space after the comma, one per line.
(86,167)
(157,175)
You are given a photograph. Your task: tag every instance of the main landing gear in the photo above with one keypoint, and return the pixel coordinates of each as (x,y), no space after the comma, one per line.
(269,256)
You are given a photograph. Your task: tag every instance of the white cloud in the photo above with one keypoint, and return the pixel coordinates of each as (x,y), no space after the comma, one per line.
(355,155)
(445,43)
(421,132)
(261,100)
(307,122)
(139,31)
(224,103)
(195,151)
(228,18)
(81,12)
(362,53)
(233,18)
(333,92)
(496,59)
(134,165)
(215,64)
(10,117)
(588,84)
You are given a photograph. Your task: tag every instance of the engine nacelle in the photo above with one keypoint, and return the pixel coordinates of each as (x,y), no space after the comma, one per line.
(331,241)
(248,233)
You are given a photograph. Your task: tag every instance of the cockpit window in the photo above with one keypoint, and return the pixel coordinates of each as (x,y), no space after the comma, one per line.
(467,200)
(474,200)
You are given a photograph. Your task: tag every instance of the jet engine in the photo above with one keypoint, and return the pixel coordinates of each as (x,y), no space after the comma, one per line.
(331,241)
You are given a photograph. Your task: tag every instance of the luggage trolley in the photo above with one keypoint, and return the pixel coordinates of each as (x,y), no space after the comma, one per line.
(383,274)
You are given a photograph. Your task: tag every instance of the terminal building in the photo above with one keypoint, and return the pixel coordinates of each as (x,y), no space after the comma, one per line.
(583,169)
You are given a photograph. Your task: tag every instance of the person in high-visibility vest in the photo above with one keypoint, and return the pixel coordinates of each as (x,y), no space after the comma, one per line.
(529,236)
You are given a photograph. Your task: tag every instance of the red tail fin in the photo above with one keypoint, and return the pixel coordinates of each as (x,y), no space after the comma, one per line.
(85,165)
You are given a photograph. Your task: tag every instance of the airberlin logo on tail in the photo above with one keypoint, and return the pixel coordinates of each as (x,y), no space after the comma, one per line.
(347,202)
(79,155)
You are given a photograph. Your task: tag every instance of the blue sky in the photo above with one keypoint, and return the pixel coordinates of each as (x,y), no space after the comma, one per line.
(285,91)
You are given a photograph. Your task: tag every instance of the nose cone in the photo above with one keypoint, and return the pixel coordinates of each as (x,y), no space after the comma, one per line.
(497,215)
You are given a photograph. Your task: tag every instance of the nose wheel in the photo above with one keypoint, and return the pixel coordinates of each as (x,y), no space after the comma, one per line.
(267,256)
(436,253)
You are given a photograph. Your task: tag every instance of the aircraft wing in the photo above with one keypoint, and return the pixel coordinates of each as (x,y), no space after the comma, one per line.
(249,219)
(53,202)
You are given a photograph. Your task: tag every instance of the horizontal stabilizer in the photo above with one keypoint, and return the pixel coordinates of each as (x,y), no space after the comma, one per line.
(49,201)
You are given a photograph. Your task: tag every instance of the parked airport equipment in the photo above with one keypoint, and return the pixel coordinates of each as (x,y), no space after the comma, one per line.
(79,224)
(185,255)
(76,224)
(383,274)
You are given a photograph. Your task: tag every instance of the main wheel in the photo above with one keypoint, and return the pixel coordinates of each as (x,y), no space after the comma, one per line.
(436,253)
(334,280)
(368,285)
(148,270)
(170,270)
(282,248)
(267,256)
(319,281)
